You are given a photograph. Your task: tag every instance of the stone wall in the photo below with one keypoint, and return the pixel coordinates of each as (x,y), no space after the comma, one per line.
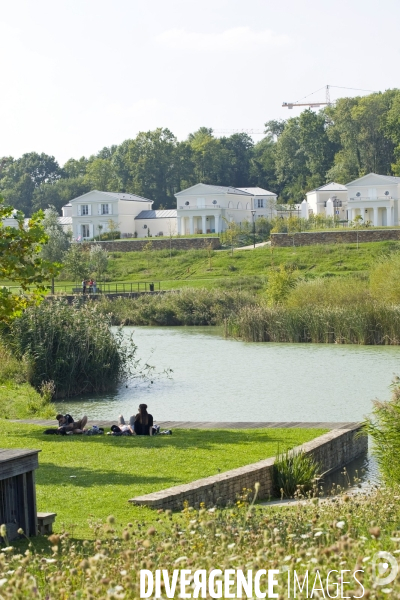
(136,245)
(332,450)
(309,238)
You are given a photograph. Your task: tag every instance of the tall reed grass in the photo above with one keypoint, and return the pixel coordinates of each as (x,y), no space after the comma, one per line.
(72,346)
(186,307)
(368,323)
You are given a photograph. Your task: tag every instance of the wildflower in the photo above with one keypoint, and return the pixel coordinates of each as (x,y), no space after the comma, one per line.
(50,560)
(110,519)
(230,546)
(20,531)
(3,581)
(3,530)
(181,559)
(8,549)
(340,524)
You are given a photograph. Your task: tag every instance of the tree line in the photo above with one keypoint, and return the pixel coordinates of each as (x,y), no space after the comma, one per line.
(340,143)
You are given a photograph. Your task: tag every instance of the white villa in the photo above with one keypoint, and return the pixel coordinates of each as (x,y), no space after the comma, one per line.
(98,212)
(205,208)
(318,201)
(374,197)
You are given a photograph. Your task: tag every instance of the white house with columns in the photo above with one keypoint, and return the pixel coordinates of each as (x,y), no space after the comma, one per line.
(205,208)
(327,200)
(375,198)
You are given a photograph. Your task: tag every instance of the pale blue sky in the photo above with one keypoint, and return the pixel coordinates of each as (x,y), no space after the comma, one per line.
(77,75)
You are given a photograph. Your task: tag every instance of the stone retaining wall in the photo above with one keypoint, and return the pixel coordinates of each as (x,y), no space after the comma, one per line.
(136,245)
(309,238)
(332,450)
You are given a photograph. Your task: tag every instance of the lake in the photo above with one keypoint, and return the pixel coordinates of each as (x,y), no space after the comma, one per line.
(219,379)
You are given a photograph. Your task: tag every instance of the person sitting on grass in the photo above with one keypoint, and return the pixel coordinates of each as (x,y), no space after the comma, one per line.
(141,424)
(67,424)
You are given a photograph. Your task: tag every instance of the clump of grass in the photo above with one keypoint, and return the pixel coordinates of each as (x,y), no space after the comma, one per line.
(71,346)
(384,428)
(295,473)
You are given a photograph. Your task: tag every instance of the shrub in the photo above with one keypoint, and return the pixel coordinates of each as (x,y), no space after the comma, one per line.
(295,473)
(71,346)
(384,428)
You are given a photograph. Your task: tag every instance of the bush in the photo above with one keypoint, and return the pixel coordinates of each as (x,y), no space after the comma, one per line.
(71,346)
(295,473)
(384,428)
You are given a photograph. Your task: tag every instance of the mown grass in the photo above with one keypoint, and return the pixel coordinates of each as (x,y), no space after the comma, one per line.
(195,267)
(18,399)
(84,479)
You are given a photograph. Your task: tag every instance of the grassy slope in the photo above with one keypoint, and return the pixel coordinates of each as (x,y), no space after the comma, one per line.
(88,478)
(193,267)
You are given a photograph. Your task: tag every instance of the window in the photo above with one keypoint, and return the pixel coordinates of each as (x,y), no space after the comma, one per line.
(104,209)
(260,203)
(84,209)
(85,231)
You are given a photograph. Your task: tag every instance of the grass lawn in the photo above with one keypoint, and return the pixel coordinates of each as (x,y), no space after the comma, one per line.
(193,267)
(85,479)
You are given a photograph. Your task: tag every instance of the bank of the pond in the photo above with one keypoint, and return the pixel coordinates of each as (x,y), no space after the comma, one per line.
(84,479)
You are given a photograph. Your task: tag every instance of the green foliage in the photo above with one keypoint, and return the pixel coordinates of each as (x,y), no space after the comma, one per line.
(384,428)
(98,258)
(71,346)
(21,262)
(366,324)
(58,241)
(295,473)
(184,307)
(385,280)
(76,261)
(280,282)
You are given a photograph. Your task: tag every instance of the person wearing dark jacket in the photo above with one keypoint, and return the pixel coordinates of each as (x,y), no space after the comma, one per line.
(142,423)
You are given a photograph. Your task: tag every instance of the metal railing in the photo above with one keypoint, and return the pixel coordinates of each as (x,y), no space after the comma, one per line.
(101,288)
(369,199)
(206,206)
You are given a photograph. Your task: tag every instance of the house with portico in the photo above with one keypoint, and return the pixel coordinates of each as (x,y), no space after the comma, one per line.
(205,208)
(327,200)
(375,198)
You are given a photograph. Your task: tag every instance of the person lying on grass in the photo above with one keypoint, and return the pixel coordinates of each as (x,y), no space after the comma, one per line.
(67,424)
(141,424)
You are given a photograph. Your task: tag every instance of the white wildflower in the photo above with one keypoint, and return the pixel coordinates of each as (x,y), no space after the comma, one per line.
(181,559)
(340,524)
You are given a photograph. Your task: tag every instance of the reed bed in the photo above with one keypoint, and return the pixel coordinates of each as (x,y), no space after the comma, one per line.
(185,307)
(71,346)
(368,324)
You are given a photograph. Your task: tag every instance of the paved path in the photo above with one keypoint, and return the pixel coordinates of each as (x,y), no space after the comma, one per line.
(251,247)
(215,425)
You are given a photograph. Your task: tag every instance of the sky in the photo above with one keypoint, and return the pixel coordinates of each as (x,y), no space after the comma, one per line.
(78,75)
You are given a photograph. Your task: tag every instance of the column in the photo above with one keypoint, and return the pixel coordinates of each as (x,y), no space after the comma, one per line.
(375,217)
(191,228)
(389,216)
(178,225)
(203,224)
(349,214)
(216,223)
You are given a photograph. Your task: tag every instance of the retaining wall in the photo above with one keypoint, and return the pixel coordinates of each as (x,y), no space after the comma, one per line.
(309,238)
(137,245)
(332,450)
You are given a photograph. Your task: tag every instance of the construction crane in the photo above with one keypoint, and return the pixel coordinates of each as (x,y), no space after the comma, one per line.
(327,102)
(249,131)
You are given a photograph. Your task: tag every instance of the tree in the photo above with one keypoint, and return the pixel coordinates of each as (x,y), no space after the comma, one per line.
(113,228)
(280,283)
(100,175)
(20,178)
(76,261)
(21,261)
(147,249)
(58,241)
(98,260)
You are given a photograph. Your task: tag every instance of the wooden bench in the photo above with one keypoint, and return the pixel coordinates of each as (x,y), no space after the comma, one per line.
(45,522)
